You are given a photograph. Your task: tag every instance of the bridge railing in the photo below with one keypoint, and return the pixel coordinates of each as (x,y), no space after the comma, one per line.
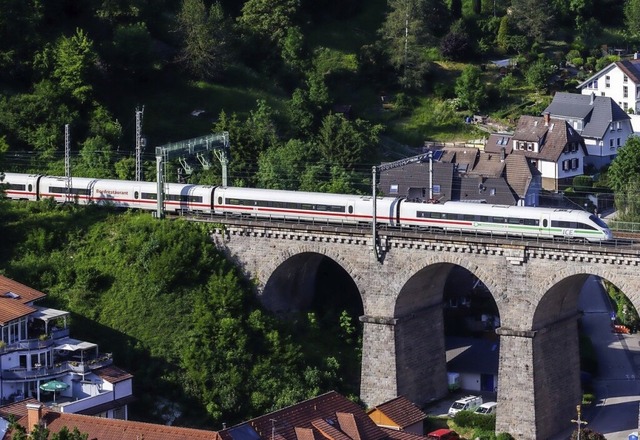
(618,226)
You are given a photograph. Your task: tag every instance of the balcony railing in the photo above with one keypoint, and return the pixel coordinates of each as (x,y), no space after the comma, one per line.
(83,367)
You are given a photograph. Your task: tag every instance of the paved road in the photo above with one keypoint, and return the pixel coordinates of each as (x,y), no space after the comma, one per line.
(616,386)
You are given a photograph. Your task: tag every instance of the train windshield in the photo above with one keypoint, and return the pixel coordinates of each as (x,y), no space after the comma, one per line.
(598,221)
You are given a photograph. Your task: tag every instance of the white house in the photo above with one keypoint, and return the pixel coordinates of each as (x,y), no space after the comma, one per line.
(619,81)
(39,360)
(552,147)
(601,122)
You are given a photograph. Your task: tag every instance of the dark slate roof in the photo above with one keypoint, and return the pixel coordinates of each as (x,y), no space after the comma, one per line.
(631,68)
(416,175)
(519,174)
(497,141)
(402,411)
(472,355)
(495,191)
(488,165)
(597,112)
(552,137)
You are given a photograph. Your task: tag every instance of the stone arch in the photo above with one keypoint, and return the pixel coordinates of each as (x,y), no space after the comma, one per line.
(421,267)
(308,254)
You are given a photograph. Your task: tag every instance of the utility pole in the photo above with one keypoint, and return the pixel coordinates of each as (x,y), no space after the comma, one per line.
(139,143)
(579,420)
(67,163)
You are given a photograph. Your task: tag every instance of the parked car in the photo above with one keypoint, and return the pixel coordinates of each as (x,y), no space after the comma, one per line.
(443,434)
(469,403)
(487,408)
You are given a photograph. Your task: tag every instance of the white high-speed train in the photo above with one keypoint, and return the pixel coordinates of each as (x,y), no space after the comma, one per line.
(318,207)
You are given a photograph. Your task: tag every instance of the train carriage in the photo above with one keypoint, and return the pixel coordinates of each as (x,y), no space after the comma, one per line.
(505,220)
(299,205)
(20,186)
(55,187)
(144,195)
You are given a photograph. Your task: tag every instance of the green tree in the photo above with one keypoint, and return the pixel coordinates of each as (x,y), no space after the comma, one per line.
(250,137)
(539,73)
(269,19)
(74,59)
(20,36)
(405,35)
(502,39)
(205,35)
(281,167)
(624,177)
(347,143)
(470,89)
(131,50)
(96,157)
(533,18)
(632,17)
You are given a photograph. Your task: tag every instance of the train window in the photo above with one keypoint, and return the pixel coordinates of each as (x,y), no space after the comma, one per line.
(584,226)
(545,223)
(515,221)
(498,219)
(469,217)
(149,196)
(136,195)
(219,200)
(483,218)
(531,222)
(13,186)
(422,214)
(350,209)
(30,187)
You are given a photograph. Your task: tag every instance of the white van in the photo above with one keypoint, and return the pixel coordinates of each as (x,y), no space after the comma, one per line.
(487,408)
(469,403)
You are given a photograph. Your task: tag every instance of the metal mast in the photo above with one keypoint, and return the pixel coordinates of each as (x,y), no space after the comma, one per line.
(67,163)
(377,248)
(139,143)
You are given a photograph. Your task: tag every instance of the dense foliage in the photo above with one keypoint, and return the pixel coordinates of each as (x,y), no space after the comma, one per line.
(175,313)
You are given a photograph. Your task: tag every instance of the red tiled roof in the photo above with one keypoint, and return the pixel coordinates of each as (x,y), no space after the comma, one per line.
(310,414)
(11,309)
(27,294)
(552,136)
(99,428)
(402,411)
(112,374)
(401,435)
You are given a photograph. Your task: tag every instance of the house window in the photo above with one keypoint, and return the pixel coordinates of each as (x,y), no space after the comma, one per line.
(574,164)
(607,81)
(565,165)
(602,94)
(436,189)
(618,142)
(625,78)
(625,106)
(625,92)
(393,189)
(492,191)
(618,126)
(529,146)
(611,143)
(595,84)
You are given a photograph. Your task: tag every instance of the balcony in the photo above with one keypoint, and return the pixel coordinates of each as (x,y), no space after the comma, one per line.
(69,366)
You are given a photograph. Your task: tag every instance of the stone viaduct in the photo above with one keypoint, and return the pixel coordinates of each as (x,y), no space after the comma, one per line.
(535,286)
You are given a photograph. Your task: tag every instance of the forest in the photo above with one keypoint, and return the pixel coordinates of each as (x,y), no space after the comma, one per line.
(312,94)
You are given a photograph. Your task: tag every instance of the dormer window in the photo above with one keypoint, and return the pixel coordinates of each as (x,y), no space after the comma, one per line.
(11,295)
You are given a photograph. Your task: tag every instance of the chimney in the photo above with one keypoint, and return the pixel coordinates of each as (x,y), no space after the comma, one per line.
(34,415)
(503,154)
(593,98)
(547,118)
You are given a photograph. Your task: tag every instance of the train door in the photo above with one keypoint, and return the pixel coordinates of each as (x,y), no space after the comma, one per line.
(544,227)
(137,194)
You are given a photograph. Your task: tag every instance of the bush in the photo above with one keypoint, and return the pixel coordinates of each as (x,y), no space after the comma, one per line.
(469,419)
(504,436)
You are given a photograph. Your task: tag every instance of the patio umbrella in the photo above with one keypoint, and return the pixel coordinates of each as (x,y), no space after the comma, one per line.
(53,386)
